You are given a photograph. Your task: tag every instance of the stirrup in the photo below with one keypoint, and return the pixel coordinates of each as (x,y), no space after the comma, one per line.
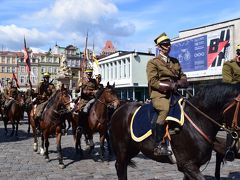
(161,150)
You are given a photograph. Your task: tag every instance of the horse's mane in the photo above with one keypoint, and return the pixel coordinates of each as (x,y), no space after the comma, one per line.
(52,98)
(215,94)
(99,93)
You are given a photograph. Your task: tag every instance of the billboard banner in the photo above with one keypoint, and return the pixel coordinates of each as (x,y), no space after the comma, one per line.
(203,55)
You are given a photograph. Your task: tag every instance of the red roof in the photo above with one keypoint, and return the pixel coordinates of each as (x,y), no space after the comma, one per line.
(108,48)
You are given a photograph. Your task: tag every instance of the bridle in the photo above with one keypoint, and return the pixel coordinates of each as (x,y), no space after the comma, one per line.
(109,104)
(236,102)
(233,133)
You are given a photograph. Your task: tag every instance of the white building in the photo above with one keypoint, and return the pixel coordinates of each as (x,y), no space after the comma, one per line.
(128,71)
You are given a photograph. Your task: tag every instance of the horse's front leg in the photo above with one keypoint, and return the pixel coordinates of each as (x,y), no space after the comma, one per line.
(59,148)
(16,132)
(108,144)
(34,130)
(42,151)
(28,116)
(192,172)
(13,128)
(78,136)
(45,137)
(5,120)
(102,149)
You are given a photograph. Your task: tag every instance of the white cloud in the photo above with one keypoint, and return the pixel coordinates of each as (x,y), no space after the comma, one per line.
(67,22)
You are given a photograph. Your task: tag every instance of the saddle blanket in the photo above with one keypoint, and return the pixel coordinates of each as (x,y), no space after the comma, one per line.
(144,117)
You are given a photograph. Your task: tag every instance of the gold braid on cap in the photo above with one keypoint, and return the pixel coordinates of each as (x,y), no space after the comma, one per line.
(159,40)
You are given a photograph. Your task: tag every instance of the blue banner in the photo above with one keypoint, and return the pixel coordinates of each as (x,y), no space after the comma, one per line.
(192,53)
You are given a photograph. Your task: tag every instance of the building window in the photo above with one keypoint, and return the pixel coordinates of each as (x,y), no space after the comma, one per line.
(3,60)
(128,67)
(111,71)
(22,69)
(14,60)
(8,69)
(50,69)
(43,70)
(119,70)
(124,68)
(22,79)
(8,60)
(3,69)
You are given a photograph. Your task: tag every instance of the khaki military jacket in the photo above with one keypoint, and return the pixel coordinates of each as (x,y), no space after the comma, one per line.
(231,72)
(158,70)
(88,88)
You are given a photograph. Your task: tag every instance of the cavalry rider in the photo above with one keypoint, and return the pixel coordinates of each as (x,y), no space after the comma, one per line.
(10,93)
(44,91)
(87,88)
(164,77)
(231,69)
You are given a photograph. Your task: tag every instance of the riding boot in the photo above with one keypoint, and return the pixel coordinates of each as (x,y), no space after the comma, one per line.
(160,148)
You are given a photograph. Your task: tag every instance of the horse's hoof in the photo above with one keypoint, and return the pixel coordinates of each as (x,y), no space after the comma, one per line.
(35,147)
(42,152)
(47,159)
(62,166)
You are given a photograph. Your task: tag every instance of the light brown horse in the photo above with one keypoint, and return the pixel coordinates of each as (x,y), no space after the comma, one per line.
(51,122)
(14,114)
(98,118)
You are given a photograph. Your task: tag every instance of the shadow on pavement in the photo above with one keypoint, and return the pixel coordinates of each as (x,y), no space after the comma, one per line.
(232,175)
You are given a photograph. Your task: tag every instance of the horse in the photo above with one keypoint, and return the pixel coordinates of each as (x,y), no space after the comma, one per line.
(51,122)
(98,119)
(192,146)
(14,114)
(28,105)
(229,149)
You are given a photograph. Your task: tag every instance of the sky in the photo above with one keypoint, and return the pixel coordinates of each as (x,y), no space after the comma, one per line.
(129,24)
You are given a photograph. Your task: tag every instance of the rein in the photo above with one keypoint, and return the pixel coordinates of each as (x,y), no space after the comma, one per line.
(233,133)
(107,105)
(236,112)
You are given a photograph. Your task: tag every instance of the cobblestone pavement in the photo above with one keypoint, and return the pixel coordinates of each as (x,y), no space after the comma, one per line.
(18,161)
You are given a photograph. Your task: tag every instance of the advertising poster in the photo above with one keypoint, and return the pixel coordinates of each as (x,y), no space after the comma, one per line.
(203,55)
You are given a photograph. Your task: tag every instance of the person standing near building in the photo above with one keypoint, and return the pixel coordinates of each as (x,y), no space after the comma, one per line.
(164,75)
(231,69)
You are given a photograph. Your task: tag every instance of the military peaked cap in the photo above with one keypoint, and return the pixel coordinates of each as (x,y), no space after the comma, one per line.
(161,38)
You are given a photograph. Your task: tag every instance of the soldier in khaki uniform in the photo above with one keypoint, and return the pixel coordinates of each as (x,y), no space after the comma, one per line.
(44,90)
(11,93)
(164,77)
(231,69)
(87,87)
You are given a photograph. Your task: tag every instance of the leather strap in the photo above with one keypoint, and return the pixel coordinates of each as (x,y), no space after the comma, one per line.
(198,129)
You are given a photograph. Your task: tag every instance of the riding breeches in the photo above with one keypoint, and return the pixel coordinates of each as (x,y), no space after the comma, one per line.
(162,105)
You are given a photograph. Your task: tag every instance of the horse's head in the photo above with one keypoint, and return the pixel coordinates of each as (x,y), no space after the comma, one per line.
(110,96)
(66,98)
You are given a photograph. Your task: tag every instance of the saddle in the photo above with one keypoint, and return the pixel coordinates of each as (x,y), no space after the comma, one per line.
(145,116)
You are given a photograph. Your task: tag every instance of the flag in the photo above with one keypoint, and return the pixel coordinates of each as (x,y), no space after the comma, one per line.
(15,79)
(96,69)
(86,50)
(26,58)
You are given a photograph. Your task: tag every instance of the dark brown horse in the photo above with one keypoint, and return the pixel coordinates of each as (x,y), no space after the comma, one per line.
(98,118)
(190,148)
(28,104)
(229,149)
(14,114)
(51,122)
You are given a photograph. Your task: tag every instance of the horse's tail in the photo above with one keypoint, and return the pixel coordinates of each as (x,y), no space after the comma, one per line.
(132,164)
